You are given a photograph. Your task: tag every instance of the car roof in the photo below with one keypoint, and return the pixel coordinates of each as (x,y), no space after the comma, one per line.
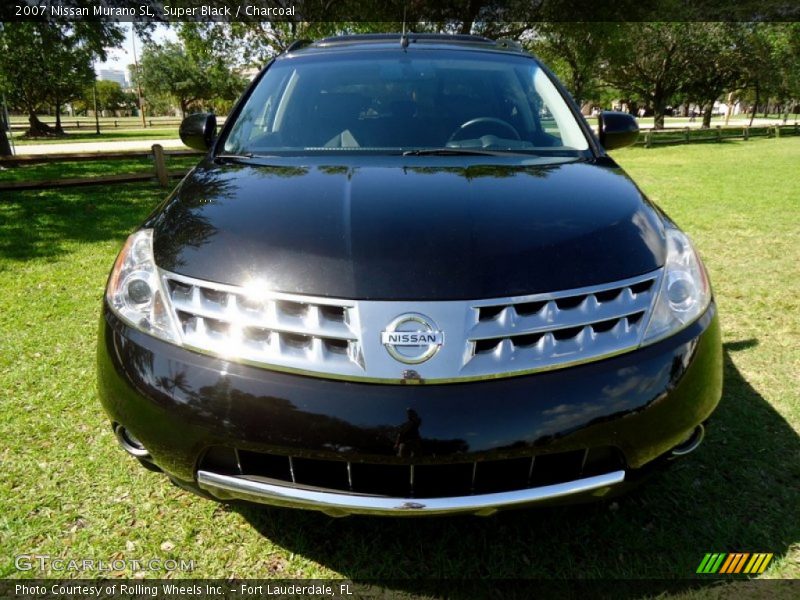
(373,41)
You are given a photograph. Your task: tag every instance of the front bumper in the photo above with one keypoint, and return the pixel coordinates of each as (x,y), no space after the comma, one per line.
(226,487)
(180,404)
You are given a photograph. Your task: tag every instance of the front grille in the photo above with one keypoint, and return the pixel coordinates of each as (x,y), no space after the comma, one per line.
(559,328)
(482,339)
(265,329)
(415,480)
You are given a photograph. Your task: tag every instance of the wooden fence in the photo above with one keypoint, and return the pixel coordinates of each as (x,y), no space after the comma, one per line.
(157,154)
(90,126)
(656,137)
(82,124)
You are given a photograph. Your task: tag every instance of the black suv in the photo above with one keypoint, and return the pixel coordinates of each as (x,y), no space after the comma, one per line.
(407,279)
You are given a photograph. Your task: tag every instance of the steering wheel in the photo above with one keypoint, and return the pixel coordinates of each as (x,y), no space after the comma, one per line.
(491,121)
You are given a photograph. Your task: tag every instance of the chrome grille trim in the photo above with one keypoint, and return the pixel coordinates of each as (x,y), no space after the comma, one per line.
(341,338)
(562,328)
(272,330)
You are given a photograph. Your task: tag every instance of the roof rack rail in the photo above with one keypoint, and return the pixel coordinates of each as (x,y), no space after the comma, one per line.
(297,44)
(413,37)
(509,44)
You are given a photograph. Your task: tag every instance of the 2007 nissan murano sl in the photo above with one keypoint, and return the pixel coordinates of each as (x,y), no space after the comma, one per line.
(407,279)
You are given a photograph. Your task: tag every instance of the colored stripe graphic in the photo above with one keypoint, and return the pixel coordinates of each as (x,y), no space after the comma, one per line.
(704,563)
(734,562)
(727,564)
(758,563)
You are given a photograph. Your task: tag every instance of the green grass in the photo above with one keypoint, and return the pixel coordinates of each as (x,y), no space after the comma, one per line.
(90,168)
(67,490)
(106,135)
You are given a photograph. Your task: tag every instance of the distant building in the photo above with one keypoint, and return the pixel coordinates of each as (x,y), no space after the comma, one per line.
(113,75)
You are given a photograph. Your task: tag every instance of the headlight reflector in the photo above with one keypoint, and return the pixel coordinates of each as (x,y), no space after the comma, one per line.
(135,292)
(685,290)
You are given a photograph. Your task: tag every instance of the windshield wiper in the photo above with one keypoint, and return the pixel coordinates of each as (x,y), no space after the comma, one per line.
(458,152)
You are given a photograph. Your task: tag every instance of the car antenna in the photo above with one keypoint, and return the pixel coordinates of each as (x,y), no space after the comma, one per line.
(404,35)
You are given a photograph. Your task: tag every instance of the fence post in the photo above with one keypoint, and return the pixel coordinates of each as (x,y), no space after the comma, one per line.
(719,133)
(115,123)
(161,167)
(648,138)
(746,132)
(777,131)
(78,124)
(685,134)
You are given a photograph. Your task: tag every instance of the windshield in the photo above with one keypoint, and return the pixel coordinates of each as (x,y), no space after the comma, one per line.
(394,102)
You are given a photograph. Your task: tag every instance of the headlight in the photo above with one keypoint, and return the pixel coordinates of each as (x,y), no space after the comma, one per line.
(685,291)
(135,292)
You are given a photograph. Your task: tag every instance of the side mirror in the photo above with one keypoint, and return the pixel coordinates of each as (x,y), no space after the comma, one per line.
(617,129)
(199,130)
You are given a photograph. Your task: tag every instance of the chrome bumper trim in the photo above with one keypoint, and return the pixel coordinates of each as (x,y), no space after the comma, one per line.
(227,487)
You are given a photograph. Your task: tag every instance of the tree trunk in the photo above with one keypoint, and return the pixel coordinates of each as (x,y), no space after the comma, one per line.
(766,108)
(471,13)
(5,146)
(755,106)
(708,110)
(59,130)
(37,128)
(658,115)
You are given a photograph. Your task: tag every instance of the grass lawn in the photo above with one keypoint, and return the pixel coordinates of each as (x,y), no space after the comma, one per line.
(90,168)
(68,491)
(106,135)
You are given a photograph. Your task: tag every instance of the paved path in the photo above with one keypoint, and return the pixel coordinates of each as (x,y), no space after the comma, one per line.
(96,146)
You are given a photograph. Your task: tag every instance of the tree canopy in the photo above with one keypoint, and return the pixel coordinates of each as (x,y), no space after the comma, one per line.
(188,77)
(49,63)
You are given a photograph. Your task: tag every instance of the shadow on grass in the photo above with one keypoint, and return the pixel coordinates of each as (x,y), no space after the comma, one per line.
(41,224)
(737,493)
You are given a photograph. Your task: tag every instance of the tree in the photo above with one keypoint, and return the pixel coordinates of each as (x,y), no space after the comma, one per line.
(49,62)
(650,61)
(70,71)
(252,41)
(716,67)
(171,70)
(110,96)
(784,40)
(168,70)
(574,51)
(761,60)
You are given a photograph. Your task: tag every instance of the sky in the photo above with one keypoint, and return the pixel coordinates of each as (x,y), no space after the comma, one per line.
(119,58)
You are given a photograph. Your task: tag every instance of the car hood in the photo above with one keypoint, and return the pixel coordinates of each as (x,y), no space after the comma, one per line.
(419,228)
